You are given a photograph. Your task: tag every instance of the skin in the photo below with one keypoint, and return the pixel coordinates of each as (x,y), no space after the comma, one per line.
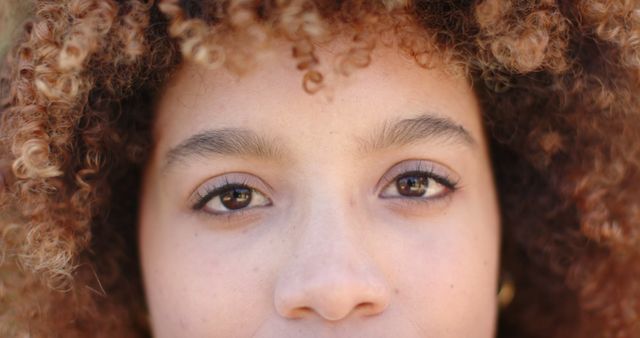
(329,247)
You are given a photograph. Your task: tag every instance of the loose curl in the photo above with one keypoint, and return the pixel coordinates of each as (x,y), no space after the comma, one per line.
(558,82)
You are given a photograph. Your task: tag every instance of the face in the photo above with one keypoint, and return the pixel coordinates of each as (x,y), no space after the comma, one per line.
(365,210)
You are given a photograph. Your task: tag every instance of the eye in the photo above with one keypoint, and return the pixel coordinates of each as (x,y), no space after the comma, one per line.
(416,185)
(228,198)
(418,180)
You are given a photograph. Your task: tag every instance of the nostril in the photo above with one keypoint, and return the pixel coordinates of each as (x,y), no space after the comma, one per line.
(364,306)
(300,312)
(368,308)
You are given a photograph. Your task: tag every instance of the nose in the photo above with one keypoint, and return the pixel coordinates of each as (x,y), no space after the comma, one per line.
(330,274)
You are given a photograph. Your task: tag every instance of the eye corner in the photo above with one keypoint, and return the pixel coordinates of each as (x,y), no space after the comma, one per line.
(451,183)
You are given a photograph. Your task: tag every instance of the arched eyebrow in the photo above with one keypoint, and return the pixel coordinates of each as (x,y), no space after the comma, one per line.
(406,131)
(225,141)
(245,142)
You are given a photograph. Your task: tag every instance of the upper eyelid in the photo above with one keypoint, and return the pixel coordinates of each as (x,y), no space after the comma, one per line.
(414,165)
(237,178)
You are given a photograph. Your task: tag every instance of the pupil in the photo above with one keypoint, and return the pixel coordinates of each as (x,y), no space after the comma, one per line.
(413,186)
(236,198)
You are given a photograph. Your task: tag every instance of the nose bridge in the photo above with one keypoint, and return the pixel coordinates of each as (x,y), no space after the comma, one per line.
(327,238)
(328,210)
(329,225)
(330,272)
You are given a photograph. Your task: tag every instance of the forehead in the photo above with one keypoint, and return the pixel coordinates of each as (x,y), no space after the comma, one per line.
(271,97)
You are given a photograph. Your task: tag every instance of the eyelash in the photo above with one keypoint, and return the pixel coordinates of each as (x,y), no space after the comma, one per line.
(215,190)
(212,191)
(450,186)
(418,170)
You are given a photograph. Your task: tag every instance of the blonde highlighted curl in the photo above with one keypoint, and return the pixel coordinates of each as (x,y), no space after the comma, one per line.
(559,84)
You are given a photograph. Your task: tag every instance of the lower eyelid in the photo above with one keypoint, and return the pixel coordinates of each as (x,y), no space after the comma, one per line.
(241,216)
(418,206)
(415,200)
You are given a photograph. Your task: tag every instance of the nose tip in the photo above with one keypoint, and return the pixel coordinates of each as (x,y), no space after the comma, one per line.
(331,300)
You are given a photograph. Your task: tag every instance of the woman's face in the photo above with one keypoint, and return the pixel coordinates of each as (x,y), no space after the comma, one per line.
(365,210)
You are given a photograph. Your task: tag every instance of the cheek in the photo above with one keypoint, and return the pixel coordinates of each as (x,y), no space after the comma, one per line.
(445,270)
(198,285)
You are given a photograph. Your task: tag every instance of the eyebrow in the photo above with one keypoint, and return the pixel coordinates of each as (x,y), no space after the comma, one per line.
(240,141)
(407,131)
(225,141)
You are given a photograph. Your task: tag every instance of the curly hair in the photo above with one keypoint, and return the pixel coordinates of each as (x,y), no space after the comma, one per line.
(558,82)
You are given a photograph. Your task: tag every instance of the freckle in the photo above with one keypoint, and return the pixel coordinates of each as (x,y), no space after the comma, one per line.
(396,291)
(451,286)
(255,269)
(352,202)
(195,234)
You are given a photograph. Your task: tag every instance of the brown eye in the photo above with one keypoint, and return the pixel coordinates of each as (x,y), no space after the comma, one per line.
(231,198)
(236,198)
(415,185)
(412,186)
